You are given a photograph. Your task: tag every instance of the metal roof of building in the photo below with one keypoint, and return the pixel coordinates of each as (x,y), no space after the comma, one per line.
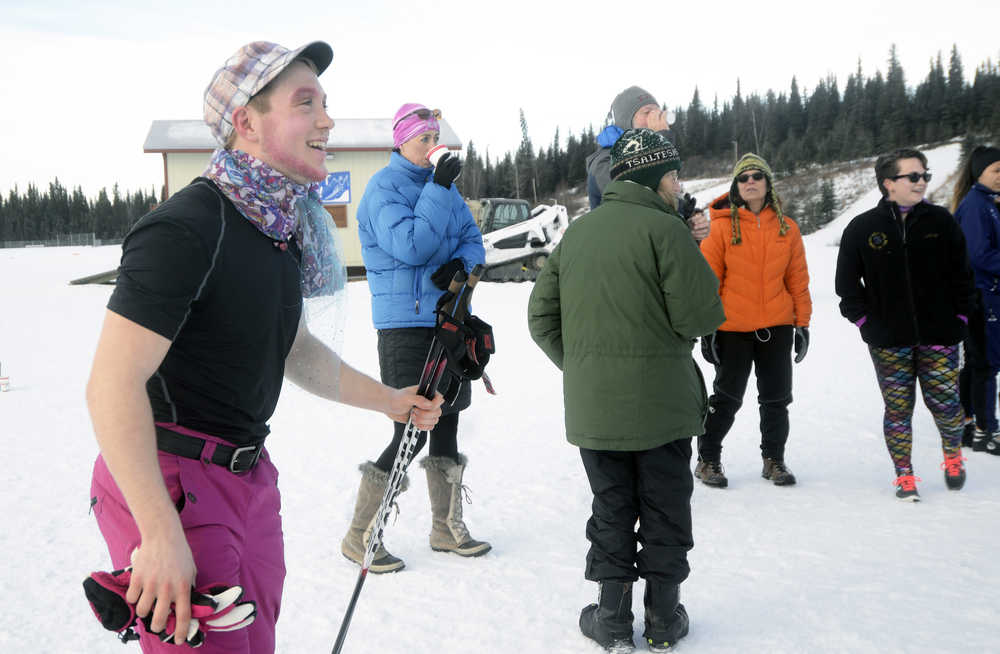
(347,134)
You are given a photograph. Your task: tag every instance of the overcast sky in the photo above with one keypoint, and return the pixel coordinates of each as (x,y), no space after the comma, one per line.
(83,81)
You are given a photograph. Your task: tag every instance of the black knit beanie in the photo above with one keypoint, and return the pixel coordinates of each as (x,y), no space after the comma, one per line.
(981,158)
(643,156)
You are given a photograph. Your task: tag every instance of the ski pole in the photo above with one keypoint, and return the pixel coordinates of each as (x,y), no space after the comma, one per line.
(430,377)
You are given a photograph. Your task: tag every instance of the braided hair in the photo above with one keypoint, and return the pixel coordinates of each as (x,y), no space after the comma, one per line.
(751,161)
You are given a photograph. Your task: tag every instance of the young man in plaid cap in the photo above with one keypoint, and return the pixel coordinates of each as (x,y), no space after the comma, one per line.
(206,319)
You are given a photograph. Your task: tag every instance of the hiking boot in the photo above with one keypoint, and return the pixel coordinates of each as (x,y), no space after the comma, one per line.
(907,488)
(710,473)
(666,618)
(954,471)
(986,442)
(776,471)
(968,433)
(609,622)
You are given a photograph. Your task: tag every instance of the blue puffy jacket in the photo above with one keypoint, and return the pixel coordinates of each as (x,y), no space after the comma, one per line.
(409,226)
(980,220)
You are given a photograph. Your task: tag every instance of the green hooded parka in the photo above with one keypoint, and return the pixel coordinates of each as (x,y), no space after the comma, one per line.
(617,308)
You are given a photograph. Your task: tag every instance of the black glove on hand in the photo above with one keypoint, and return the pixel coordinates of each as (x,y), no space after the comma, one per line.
(686,206)
(710,349)
(801,343)
(446,272)
(447,170)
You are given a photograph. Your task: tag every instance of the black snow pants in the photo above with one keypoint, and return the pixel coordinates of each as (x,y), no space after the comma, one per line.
(652,486)
(769,352)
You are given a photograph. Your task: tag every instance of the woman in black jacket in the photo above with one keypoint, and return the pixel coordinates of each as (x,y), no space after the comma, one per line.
(903,277)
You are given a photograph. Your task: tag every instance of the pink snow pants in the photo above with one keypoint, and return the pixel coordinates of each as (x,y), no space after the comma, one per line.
(233,527)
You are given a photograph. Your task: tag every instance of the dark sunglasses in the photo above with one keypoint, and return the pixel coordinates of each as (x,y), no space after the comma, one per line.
(913,177)
(746,177)
(422,114)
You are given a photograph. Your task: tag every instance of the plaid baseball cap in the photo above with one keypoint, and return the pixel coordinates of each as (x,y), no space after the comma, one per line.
(247,72)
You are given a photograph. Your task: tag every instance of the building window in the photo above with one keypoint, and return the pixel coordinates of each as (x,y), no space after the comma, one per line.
(339,214)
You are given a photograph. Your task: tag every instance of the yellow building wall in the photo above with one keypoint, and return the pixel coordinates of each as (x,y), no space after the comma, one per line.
(182,167)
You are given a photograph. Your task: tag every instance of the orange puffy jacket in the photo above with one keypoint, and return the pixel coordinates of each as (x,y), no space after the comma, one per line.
(763,281)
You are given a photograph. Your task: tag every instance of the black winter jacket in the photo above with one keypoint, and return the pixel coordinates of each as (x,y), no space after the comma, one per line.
(910,279)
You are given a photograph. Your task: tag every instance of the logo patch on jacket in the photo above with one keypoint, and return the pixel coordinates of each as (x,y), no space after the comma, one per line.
(877,240)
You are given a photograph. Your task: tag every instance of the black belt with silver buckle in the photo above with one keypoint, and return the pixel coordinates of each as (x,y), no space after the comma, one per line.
(235,459)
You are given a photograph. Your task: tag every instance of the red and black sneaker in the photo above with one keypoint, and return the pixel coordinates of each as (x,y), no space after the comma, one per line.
(954,471)
(907,488)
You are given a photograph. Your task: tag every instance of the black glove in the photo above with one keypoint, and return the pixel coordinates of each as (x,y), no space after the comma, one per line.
(443,275)
(801,343)
(480,349)
(454,336)
(447,170)
(686,206)
(710,349)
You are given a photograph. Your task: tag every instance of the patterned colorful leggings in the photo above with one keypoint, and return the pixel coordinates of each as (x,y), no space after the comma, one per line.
(897,370)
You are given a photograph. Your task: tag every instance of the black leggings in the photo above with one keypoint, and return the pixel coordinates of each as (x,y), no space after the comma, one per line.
(444,441)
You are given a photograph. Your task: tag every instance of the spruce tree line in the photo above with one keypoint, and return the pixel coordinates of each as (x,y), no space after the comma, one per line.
(873,114)
(46,215)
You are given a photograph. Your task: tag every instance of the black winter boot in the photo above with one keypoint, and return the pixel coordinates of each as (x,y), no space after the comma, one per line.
(666,617)
(968,433)
(609,622)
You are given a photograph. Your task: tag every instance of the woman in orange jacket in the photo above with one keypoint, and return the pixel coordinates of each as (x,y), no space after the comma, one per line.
(757,254)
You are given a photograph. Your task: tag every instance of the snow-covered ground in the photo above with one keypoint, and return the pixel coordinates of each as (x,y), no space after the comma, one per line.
(834,564)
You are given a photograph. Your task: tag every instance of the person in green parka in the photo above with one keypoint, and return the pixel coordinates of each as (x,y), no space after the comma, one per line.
(617,308)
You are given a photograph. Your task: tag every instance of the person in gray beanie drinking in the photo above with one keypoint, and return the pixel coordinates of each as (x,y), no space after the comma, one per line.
(635,108)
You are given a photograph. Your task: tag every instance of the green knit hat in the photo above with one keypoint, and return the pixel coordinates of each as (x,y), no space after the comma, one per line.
(643,156)
(751,161)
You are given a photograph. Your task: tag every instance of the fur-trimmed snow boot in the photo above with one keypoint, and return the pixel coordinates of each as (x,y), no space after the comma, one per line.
(444,484)
(373,483)
(666,618)
(609,622)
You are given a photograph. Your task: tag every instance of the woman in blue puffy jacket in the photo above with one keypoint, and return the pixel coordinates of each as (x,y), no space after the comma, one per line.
(975,207)
(416,233)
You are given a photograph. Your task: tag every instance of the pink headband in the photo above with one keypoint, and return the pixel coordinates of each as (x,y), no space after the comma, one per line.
(411,120)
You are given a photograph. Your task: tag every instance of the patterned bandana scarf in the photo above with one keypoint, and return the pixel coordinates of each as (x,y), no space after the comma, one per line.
(282,209)
(264,196)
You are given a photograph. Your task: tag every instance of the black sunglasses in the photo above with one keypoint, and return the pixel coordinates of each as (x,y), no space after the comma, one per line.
(913,177)
(746,177)
(422,114)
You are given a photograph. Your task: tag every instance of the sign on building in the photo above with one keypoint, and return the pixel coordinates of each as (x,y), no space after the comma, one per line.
(336,189)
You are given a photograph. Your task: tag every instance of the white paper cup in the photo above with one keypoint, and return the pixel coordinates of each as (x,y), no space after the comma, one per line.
(436,153)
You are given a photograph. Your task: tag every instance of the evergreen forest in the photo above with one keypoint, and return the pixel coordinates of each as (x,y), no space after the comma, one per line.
(872,114)
(792,130)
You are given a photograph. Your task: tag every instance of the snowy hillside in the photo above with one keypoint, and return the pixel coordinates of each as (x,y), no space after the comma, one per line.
(834,564)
